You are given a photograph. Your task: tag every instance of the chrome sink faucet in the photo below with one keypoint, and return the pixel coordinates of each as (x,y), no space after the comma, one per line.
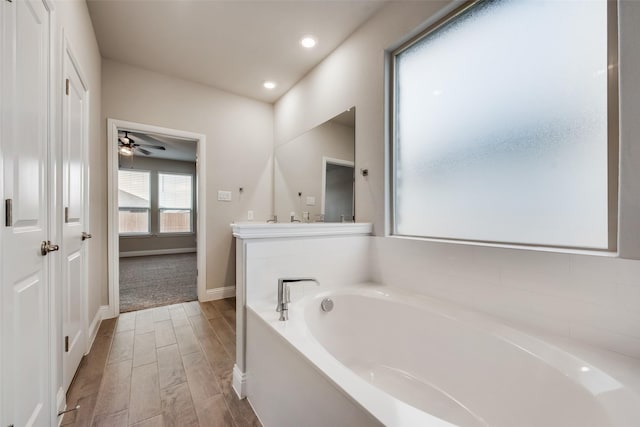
(284,294)
(274,219)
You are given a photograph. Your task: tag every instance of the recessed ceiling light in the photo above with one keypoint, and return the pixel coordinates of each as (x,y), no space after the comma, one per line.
(269,85)
(308,41)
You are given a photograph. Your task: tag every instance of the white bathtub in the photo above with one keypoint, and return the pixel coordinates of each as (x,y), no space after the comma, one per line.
(408,360)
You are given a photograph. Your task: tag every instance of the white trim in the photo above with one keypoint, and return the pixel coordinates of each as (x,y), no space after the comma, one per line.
(332,161)
(130,254)
(241,304)
(113,253)
(239,383)
(50,5)
(5,104)
(54,272)
(219,293)
(287,229)
(102,313)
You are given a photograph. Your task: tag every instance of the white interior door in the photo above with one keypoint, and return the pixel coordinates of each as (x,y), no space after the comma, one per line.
(74,251)
(25,369)
(337,190)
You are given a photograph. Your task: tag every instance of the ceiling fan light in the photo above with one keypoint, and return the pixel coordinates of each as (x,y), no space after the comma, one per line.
(126,151)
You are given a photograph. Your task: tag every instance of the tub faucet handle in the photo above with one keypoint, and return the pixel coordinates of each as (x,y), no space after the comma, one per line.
(287,294)
(284,294)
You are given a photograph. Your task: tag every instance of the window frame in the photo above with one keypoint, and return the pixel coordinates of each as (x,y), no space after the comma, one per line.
(613,142)
(191,209)
(129,208)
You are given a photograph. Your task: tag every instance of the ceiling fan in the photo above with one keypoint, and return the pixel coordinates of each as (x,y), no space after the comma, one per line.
(128,147)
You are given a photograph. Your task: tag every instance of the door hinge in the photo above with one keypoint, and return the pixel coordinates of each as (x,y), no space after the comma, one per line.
(66,214)
(66,344)
(67,87)
(8,212)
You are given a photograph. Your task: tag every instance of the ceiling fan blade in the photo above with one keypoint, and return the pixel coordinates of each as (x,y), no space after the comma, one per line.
(143,151)
(146,137)
(155,147)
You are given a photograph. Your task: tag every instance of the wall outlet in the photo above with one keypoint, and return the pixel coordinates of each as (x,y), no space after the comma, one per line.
(224,196)
(311,201)
(250,215)
(305,216)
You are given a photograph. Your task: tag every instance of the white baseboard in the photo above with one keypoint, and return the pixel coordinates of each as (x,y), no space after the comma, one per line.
(239,383)
(158,252)
(219,293)
(61,403)
(103,312)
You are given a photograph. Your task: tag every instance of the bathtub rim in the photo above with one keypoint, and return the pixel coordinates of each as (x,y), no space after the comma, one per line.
(385,407)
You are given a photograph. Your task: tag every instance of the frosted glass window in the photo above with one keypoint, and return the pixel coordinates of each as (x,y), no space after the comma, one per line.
(175,202)
(500,126)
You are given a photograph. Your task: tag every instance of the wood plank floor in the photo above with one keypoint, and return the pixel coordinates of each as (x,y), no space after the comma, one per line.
(164,366)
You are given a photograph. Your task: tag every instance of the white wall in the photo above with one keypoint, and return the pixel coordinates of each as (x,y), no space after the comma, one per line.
(239,151)
(629,68)
(334,261)
(592,298)
(354,75)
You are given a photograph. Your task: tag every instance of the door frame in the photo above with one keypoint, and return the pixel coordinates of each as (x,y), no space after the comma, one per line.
(67,50)
(333,161)
(113,125)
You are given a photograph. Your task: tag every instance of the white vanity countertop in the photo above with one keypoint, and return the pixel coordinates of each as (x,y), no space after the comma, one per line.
(263,230)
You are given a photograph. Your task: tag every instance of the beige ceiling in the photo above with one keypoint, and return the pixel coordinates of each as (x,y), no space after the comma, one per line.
(233,45)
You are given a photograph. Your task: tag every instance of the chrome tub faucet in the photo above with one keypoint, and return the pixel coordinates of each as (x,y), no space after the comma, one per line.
(284,297)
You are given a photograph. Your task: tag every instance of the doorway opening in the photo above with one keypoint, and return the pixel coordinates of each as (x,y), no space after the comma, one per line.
(156,216)
(337,190)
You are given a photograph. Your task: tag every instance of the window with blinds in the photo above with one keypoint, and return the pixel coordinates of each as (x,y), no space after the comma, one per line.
(175,203)
(134,201)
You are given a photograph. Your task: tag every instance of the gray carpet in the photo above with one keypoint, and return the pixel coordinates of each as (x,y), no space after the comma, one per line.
(151,281)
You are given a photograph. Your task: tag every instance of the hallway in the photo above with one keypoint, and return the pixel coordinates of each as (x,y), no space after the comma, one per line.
(165,366)
(159,280)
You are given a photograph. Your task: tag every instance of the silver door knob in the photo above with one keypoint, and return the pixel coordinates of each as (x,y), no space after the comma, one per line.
(86,236)
(47,247)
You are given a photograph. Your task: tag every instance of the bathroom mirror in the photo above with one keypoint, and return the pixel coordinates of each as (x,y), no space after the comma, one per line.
(314,173)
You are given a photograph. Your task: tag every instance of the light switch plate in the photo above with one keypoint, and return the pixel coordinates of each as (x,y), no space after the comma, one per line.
(224,196)
(311,201)
(250,215)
